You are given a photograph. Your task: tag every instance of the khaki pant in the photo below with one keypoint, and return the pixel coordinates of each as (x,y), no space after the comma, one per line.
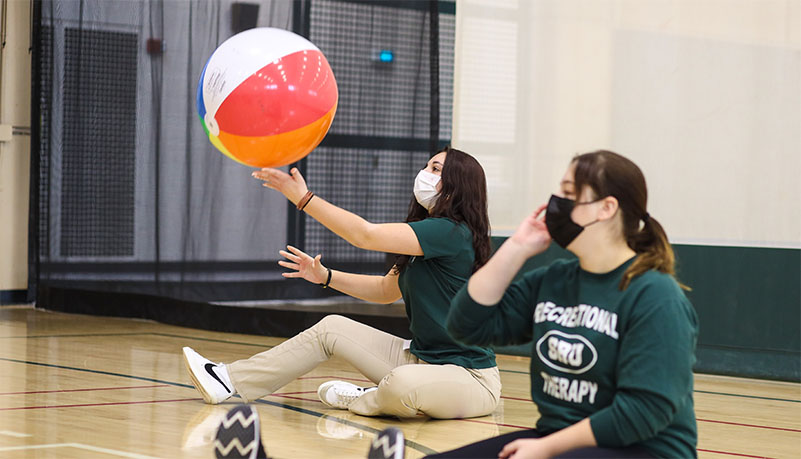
(406,385)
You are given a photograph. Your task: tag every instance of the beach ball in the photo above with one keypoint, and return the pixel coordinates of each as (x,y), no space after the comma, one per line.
(266,97)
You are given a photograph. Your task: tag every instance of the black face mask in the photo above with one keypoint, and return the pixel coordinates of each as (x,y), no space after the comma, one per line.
(561,227)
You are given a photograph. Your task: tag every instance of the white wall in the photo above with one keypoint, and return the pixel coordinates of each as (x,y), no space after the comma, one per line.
(15,97)
(705,95)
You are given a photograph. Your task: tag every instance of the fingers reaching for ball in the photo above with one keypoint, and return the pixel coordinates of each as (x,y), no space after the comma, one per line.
(293,187)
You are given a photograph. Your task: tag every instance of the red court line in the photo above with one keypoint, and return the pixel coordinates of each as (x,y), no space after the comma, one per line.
(704,420)
(283,394)
(733,454)
(515,398)
(295,398)
(749,425)
(353,379)
(81,390)
(98,404)
(295,393)
(340,378)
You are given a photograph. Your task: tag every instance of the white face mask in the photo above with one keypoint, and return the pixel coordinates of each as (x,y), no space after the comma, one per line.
(425,189)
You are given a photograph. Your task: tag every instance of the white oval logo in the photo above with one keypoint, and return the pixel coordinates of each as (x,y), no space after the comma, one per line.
(573,354)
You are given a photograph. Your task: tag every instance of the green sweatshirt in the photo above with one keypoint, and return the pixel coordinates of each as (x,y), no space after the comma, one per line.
(622,358)
(428,284)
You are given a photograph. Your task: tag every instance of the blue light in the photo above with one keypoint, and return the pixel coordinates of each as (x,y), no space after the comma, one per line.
(386,55)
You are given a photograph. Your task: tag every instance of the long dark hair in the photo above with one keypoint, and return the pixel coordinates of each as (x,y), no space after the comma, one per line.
(610,174)
(463,198)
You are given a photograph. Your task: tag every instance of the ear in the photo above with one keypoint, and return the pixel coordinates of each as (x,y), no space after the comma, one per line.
(609,207)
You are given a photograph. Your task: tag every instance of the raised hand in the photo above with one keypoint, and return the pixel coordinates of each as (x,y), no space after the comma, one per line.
(304,265)
(291,185)
(488,285)
(532,235)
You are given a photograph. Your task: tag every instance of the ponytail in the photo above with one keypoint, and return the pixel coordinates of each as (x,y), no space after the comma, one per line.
(610,174)
(653,252)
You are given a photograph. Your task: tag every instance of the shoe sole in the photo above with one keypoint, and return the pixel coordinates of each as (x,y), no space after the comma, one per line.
(320,392)
(198,386)
(238,434)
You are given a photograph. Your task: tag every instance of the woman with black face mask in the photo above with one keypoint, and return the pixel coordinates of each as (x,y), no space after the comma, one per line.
(444,240)
(613,333)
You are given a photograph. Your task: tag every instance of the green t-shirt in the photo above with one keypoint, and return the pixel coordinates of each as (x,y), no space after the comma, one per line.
(428,283)
(622,358)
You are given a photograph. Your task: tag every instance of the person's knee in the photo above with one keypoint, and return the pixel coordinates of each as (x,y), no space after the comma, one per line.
(329,330)
(332,322)
(399,389)
(439,397)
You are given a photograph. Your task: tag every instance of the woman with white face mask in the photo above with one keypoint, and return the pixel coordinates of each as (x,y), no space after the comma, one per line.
(444,240)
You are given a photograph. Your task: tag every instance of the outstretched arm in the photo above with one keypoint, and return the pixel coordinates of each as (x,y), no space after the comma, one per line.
(376,289)
(381,237)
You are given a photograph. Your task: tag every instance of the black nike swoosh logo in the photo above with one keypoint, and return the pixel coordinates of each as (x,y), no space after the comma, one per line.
(209,370)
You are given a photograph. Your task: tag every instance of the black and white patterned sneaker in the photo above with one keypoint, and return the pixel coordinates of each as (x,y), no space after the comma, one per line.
(239,435)
(389,444)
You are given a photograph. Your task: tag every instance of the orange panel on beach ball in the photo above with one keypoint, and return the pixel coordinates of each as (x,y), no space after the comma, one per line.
(284,148)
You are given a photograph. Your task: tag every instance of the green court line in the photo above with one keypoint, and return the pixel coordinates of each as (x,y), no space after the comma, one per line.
(411,444)
(100,372)
(79,335)
(514,371)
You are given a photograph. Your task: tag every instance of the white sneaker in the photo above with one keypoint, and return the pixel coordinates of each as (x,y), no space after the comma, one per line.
(340,394)
(210,379)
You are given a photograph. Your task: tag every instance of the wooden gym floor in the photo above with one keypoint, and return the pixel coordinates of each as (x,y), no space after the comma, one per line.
(83,386)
